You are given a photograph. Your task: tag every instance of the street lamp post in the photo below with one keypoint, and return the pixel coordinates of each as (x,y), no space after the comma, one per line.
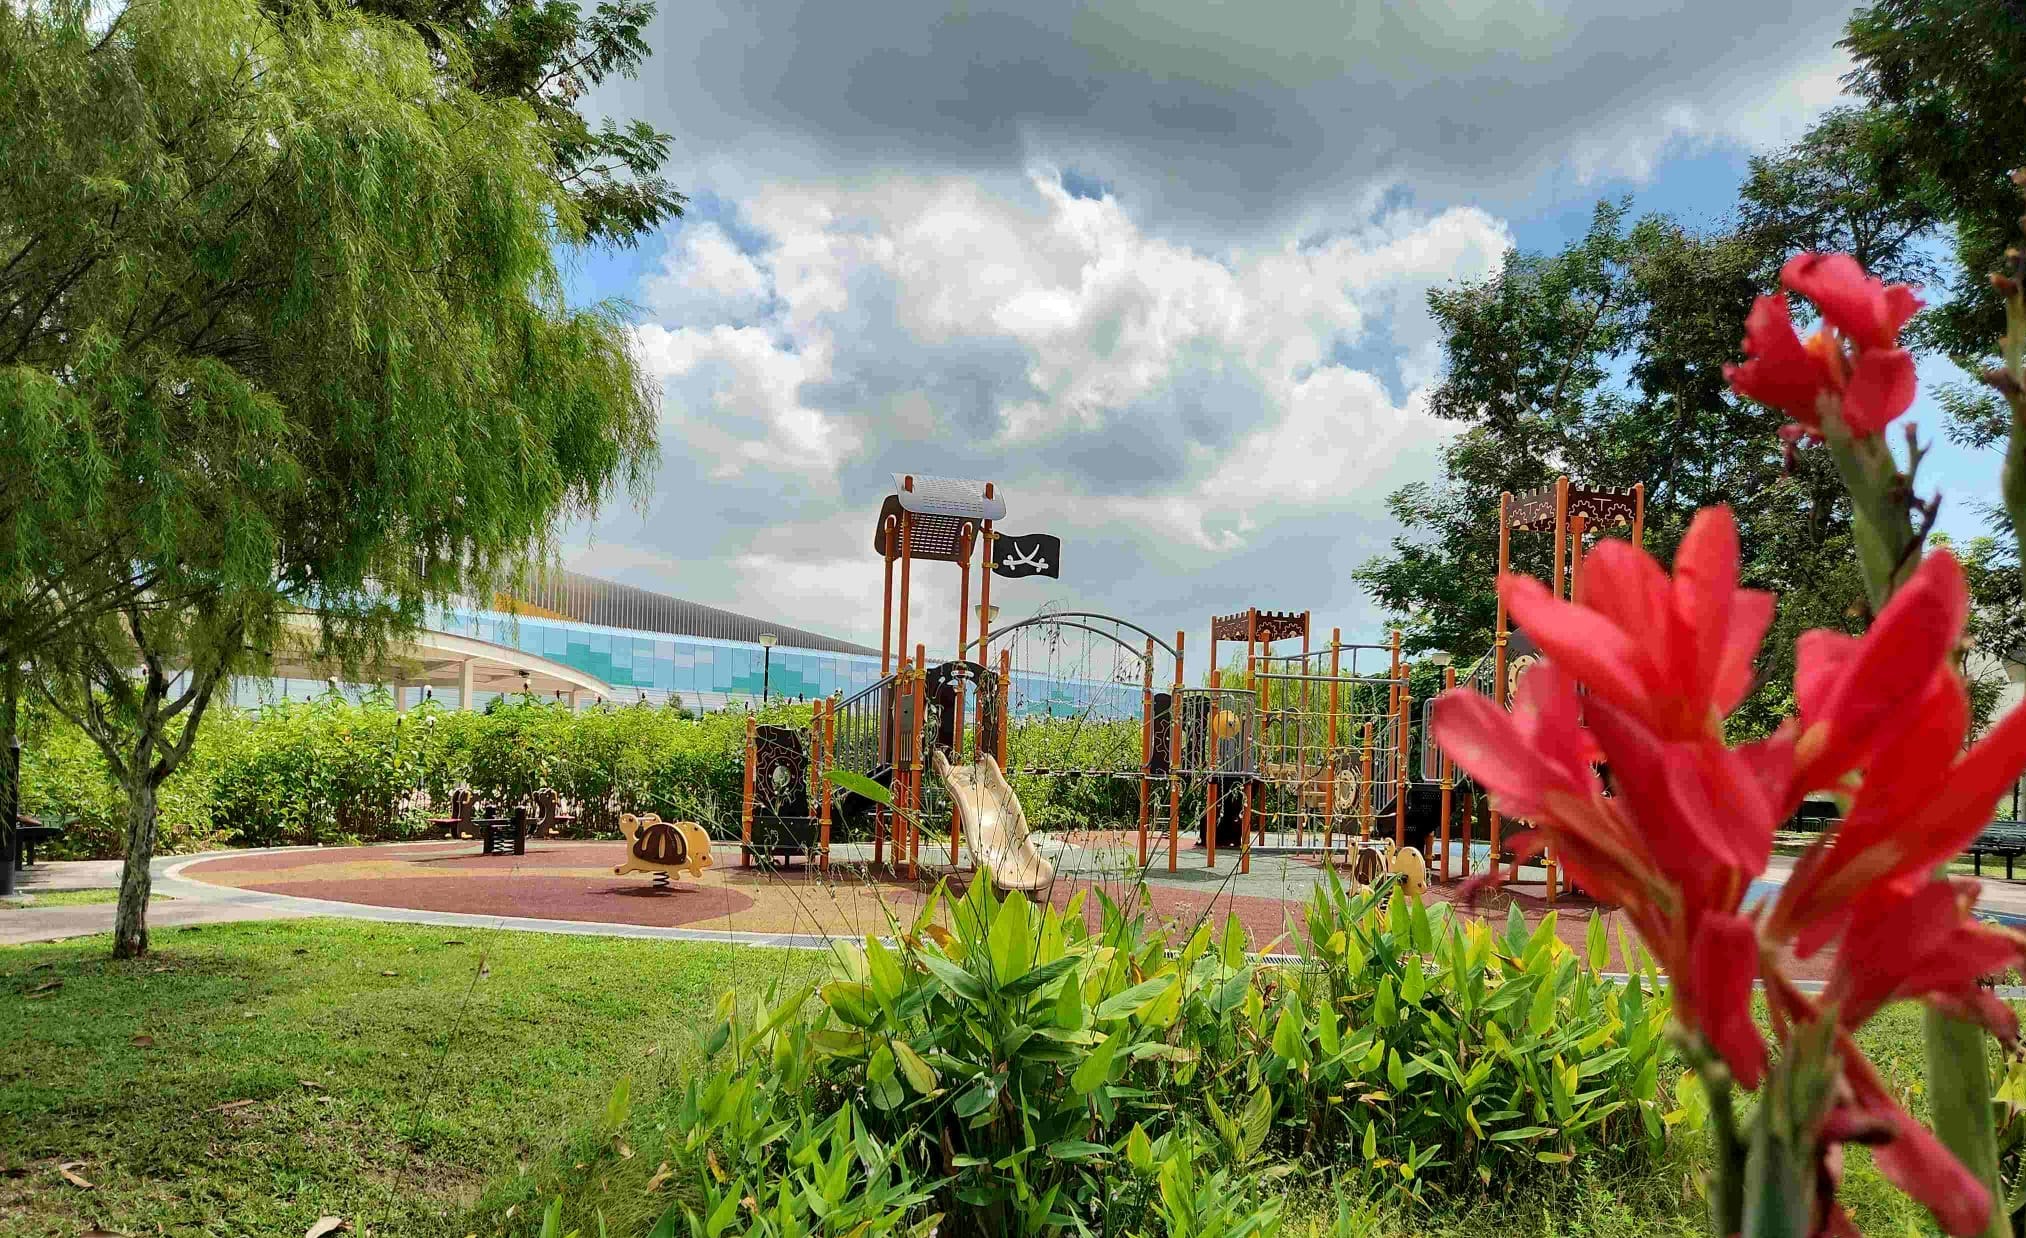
(766,664)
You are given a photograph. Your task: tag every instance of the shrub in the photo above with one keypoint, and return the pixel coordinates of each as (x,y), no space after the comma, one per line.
(1005,1069)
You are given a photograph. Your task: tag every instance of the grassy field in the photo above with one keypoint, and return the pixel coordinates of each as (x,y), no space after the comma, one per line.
(67,898)
(251,1078)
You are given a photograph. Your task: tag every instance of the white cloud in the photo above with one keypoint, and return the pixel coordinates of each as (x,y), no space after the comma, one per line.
(1141,397)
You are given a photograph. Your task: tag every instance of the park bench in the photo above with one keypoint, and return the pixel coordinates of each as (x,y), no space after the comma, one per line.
(2000,838)
(30,832)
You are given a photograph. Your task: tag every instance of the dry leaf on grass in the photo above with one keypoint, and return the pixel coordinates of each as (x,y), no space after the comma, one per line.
(660,1176)
(311,1084)
(390,973)
(144,1041)
(229,1106)
(454,942)
(326,1225)
(47,986)
(625,1153)
(69,1171)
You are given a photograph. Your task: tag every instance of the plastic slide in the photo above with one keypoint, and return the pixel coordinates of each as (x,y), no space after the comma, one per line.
(994,825)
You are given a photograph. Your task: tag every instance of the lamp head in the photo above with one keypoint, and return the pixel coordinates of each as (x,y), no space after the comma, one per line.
(767,640)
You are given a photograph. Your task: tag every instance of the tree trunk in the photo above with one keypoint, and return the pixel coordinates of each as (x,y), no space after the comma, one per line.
(130,928)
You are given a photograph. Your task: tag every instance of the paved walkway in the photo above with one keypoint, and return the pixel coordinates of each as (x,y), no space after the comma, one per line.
(567,887)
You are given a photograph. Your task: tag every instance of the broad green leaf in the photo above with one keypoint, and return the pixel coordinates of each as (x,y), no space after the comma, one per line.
(1139,1150)
(1118,1005)
(859,784)
(1598,943)
(1385,1007)
(1092,1073)
(1290,1041)
(919,1075)
(1541,1015)
(954,978)
(852,1002)
(1010,941)
(883,972)
(1234,943)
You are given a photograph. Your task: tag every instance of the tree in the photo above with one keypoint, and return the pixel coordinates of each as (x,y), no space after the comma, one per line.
(1605,362)
(280,307)
(1941,83)
(549,55)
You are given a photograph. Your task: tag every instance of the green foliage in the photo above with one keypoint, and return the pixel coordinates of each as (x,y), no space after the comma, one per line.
(330,771)
(280,319)
(1010,1068)
(548,54)
(1605,362)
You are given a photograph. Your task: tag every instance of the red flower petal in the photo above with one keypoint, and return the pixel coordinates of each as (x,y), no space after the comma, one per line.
(1914,1160)
(1781,373)
(1864,309)
(1881,387)
(1600,654)
(1722,962)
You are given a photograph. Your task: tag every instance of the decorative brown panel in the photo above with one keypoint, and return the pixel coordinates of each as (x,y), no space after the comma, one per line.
(1603,509)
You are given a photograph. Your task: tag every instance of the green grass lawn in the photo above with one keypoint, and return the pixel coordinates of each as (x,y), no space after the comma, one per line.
(250,1078)
(430,1082)
(67,898)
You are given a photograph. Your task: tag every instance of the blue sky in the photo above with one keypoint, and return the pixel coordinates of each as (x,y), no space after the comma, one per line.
(1158,271)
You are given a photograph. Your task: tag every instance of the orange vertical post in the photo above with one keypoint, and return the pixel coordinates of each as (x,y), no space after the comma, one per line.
(1448,775)
(1175,761)
(1146,741)
(1400,724)
(822,732)
(915,784)
(1561,530)
(1212,797)
(746,801)
(1639,514)
(1365,805)
(906,567)
(886,604)
(1005,695)
(1498,692)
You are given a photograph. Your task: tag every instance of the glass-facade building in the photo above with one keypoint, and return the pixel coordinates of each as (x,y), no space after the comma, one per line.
(704,672)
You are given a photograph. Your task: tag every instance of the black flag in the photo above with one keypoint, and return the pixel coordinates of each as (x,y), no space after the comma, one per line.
(1028,554)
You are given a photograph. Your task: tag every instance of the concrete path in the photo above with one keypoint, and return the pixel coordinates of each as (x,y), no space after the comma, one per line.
(1275,874)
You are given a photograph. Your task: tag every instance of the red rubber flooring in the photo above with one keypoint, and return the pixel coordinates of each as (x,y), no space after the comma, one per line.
(571,880)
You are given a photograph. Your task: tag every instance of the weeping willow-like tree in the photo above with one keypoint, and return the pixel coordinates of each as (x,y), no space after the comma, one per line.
(280,333)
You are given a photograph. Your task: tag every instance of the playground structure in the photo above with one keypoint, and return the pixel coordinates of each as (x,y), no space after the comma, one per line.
(1570,512)
(1074,719)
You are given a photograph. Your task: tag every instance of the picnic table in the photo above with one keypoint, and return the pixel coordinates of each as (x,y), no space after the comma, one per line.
(28,832)
(2000,838)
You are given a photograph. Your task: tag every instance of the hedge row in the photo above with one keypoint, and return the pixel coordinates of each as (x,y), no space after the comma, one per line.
(330,771)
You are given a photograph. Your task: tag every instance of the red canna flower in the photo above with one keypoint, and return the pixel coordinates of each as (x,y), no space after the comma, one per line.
(1868,312)
(1904,1151)
(1677,654)
(1922,942)
(1853,366)
(1891,706)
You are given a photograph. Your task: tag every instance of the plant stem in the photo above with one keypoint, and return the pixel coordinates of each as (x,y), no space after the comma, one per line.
(1727,1193)
(1959,1085)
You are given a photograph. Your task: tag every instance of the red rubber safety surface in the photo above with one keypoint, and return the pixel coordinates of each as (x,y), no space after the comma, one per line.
(573,880)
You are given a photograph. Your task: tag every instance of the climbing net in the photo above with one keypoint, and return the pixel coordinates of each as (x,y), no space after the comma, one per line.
(1327,744)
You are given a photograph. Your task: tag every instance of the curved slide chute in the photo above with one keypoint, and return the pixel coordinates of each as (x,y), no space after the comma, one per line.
(993,823)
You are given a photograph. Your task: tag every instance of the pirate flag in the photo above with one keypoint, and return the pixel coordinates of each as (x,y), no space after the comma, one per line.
(1028,554)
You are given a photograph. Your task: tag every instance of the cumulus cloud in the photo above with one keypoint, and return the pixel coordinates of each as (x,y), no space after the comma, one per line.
(1162,408)
(1217,119)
